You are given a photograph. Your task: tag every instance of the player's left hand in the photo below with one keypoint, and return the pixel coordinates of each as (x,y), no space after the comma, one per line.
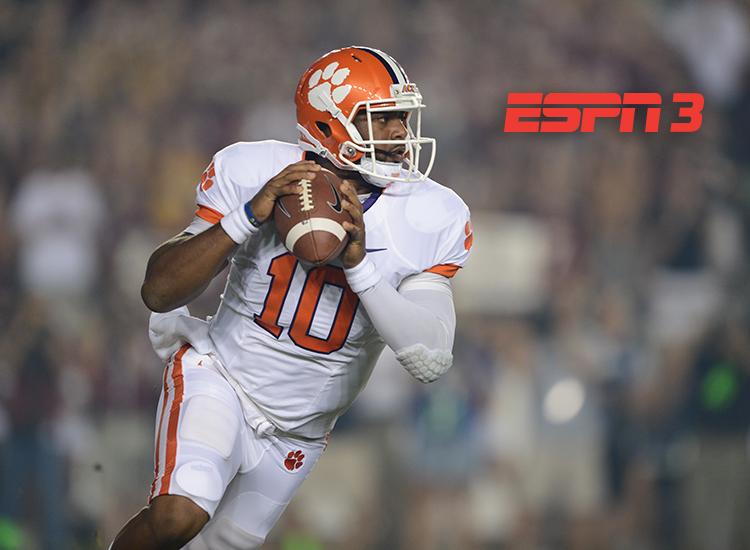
(355,250)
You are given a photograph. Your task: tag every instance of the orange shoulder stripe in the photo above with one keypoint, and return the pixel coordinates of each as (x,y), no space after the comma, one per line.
(208,214)
(446,270)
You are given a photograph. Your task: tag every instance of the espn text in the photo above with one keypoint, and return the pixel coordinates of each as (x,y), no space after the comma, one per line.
(563,112)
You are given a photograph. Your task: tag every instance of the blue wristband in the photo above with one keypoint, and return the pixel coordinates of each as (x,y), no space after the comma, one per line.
(251,216)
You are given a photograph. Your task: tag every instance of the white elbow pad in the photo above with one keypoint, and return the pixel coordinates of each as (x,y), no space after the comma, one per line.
(426,365)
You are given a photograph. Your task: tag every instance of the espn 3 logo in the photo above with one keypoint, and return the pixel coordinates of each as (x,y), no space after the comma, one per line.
(566,112)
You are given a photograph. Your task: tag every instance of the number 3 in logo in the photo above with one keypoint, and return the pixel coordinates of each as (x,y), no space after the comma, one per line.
(692,113)
(281,271)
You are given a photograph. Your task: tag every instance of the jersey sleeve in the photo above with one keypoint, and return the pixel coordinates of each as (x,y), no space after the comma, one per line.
(216,196)
(455,245)
(235,175)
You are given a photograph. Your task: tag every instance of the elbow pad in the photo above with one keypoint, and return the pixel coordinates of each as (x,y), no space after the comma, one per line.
(426,365)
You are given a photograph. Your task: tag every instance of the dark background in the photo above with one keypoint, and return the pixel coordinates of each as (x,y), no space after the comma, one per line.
(600,392)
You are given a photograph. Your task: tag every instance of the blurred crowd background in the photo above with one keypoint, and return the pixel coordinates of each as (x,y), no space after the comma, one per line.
(600,396)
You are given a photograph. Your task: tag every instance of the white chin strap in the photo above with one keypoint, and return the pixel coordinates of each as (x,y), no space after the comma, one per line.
(379,173)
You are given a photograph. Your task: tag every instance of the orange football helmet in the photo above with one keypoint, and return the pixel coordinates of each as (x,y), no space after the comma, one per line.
(340,84)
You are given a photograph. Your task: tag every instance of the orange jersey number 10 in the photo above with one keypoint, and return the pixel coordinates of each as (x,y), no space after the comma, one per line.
(281,271)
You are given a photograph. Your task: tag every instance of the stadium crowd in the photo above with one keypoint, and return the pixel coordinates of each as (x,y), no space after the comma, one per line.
(608,408)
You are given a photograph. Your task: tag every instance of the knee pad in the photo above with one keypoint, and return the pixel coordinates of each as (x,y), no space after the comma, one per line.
(224,534)
(201,481)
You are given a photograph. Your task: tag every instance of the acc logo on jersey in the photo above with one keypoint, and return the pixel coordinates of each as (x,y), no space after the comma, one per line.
(321,94)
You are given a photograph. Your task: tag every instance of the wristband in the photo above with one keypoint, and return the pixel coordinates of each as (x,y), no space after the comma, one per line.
(251,216)
(240,223)
(362,276)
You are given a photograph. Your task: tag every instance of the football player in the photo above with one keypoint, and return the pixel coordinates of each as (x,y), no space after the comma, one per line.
(249,397)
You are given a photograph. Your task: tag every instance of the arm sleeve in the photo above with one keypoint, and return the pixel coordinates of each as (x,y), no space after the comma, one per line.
(420,312)
(417,322)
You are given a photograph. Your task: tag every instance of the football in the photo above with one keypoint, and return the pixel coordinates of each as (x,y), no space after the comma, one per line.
(310,224)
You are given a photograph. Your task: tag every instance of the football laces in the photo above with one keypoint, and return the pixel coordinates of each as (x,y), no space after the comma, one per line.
(305,198)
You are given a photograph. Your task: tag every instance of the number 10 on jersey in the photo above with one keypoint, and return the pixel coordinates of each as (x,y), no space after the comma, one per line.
(282,270)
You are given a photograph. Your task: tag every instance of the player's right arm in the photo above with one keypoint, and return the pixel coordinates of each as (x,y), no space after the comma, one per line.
(181,268)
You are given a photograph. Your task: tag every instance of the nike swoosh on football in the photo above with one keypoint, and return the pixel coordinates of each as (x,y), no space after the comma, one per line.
(337,205)
(374,249)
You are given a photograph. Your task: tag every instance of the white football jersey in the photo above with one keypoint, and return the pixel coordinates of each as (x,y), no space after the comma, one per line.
(293,335)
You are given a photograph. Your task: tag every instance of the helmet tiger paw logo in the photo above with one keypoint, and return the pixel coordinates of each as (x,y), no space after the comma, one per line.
(293,460)
(321,94)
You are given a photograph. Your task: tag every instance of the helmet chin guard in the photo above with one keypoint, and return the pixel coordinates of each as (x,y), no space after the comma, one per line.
(345,82)
(379,173)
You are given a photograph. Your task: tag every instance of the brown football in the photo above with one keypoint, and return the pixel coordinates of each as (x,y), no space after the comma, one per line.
(309,224)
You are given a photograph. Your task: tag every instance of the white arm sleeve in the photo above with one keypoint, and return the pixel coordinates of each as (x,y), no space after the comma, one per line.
(417,322)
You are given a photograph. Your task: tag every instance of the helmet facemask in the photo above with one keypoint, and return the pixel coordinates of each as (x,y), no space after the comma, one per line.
(359,154)
(378,172)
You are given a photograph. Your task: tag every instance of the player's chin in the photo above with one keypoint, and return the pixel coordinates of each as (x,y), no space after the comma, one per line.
(390,157)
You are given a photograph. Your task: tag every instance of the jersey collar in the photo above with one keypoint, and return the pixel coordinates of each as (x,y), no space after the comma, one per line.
(369,201)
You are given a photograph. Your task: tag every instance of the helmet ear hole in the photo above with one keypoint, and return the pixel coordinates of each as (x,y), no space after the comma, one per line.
(323,127)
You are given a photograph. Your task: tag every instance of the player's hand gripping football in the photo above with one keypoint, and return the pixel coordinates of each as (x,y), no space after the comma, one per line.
(355,250)
(284,183)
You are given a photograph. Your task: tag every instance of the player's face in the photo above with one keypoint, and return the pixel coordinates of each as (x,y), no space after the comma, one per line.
(389,125)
